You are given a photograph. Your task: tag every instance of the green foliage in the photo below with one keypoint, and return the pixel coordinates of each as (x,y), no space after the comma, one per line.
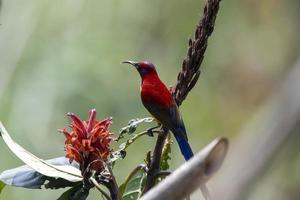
(132,126)
(132,188)
(66,172)
(129,129)
(2,185)
(164,164)
(121,153)
(75,193)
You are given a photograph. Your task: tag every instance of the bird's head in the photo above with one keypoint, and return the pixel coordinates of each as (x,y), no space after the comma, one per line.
(143,67)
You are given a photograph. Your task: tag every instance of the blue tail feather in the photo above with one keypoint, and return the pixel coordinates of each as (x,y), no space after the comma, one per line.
(184,147)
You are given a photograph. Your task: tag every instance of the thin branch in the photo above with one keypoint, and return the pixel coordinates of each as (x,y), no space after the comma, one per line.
(186,80)
(189,176)
(163,174)
(154,166)
(107,179)
(96,184)
(137,136)
(114,189)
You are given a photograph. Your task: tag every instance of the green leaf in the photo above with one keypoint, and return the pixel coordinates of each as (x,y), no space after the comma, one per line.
(2,185)
(132,188)
(121,153)
(75,193)
(164,163)
(129,129)
(132,126)
(66,172)
(25,176)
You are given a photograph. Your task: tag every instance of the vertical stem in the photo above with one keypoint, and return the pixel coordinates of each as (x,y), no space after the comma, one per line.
(113,189)
(154,167)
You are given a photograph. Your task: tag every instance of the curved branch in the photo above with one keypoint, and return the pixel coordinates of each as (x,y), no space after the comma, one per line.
(96,184)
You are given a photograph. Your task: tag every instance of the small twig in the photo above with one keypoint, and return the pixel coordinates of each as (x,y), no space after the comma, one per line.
(96,184)
(163,174)
(107,179)
(137,136)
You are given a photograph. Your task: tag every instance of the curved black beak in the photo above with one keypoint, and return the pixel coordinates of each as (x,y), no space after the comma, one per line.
(133,63)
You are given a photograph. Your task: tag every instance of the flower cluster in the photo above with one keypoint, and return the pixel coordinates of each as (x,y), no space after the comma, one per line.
(88,142)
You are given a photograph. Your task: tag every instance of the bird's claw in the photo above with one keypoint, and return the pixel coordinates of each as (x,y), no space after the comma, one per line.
(150,132)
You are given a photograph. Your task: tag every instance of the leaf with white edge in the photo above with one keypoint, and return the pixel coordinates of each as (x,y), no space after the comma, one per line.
(132,189)
(75,193)
(121,153)
(132,174)
(67,172)
(132,126)
(27,177)
(2,185)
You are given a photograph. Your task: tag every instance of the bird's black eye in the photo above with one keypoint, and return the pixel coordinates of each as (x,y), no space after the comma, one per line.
(143,70)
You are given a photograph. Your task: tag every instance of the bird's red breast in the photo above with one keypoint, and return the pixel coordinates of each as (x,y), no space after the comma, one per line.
(154,91)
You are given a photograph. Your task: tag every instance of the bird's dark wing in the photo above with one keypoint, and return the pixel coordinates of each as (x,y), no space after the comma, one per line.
(169,117)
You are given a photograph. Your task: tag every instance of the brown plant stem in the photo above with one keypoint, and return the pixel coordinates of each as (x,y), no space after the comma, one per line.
(114,189)
(186,79)
(154,167)
(111,185)
(108,180)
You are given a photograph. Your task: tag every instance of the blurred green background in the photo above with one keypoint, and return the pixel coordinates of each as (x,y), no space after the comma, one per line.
(60,56)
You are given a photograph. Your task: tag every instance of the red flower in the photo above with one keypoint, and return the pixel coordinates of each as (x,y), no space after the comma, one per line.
(88,142)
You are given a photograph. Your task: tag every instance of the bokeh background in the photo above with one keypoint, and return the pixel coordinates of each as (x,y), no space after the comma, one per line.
(60,56)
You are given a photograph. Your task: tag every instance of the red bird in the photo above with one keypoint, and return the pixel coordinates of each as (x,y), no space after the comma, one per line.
(159,102)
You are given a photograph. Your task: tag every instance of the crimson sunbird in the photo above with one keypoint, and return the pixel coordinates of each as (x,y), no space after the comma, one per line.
(158,100)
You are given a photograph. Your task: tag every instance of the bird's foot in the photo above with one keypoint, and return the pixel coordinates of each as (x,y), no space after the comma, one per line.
(150,131)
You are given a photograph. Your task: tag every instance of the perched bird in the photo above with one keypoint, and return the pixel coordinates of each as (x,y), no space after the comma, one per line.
(159,102)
